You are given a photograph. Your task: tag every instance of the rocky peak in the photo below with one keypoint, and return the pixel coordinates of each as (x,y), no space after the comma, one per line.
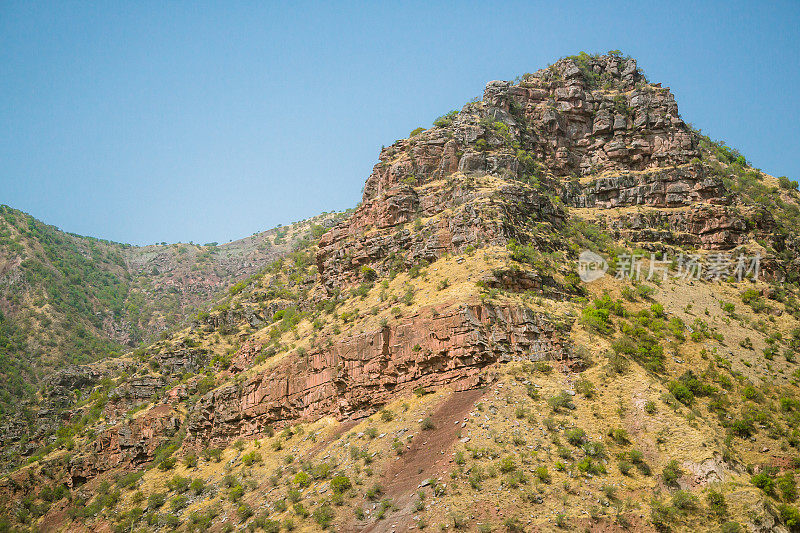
(582,115)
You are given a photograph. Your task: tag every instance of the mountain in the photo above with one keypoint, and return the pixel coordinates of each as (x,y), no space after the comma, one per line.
(559,308)
(67,299)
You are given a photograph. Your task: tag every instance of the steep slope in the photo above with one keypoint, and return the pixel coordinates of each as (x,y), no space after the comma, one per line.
(67,299)
(435,359)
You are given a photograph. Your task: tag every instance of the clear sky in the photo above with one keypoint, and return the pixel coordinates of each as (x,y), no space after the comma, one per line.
(144,122)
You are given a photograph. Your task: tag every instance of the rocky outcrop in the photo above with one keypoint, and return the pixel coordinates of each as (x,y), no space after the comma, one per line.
(73,377)
(130,443)
(582,115)
(576,117)
(358,374)
(182,359)
(447,219)
(702,226)
(673,187)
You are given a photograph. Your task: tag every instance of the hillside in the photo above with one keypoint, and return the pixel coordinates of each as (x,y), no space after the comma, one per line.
(435,359)
(67,299)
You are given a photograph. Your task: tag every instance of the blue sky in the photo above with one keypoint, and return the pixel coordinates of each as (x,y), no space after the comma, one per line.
(145,121)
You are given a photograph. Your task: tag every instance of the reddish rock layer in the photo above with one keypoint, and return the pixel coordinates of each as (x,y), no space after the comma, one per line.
(357,375)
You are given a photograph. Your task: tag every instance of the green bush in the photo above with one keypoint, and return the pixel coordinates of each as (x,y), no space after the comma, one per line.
(764,482)
(788,487)
(446,119)
(685,501)
(672,472)
(302,479)
(340,484)
(561,401)
(324,515)
(790,516)
(250,458)
(542,473)
(575,436)
(156,500)
(507,465)
(716,503)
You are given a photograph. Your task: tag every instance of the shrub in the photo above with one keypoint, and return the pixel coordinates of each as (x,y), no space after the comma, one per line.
(302,479)
(790,516)
(575,436)
(178,484)
(561,401)
(513,525)
(788,487)
(764,482)
(374,492)
(730,527)
(300,510)
(190,460)
(507,464)
(368,273)
(156,500)
(594,449)
(588,466)
(323,515)
(427,424)
(671,473)
(786,183)
(244,512)
(596,319)
(386,415)
(660,515)
(620,436)
(685,501)
(168,463)
(743,427)
(446,119)
(340,484)
(251,458)
(716,503)
(542,473)
(235,493)
(214,454)
(197,486)
(681,392)
(178,502)
(585,387)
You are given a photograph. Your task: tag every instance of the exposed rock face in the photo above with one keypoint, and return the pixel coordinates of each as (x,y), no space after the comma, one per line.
(704,226)
(356,376)
(457,215)
(674,187)
(129,443)
(73,377)
(570,119)
(182,360)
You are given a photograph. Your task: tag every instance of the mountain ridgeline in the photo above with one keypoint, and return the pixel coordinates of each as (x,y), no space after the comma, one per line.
(432,358)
